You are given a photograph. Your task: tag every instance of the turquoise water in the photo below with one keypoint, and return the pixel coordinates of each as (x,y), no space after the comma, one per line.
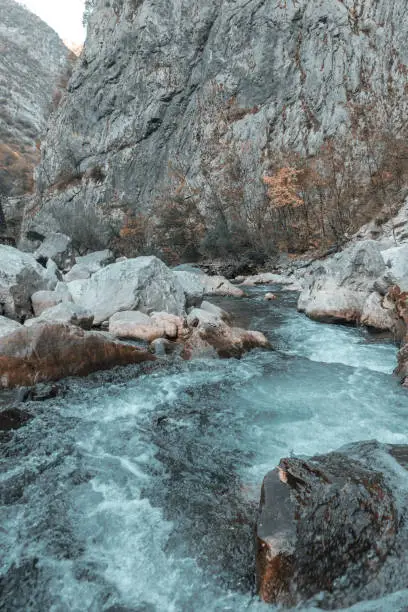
(138,490)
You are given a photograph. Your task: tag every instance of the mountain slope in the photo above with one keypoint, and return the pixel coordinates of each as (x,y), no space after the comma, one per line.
(166,89)
(33,64)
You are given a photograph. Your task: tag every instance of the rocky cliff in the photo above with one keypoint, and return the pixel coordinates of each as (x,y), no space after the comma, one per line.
(33,64)
(167,89)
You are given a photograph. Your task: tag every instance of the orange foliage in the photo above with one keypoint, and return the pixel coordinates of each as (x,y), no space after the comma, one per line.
(283,188)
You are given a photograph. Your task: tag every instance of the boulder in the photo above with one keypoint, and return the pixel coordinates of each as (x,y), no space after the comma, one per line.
(20,276)
(267,278)
(7,326)
(216,310)
(172,325)
(379,313)
(396,260)
(57,247)
(51,351)
(136,325)
(329,529)
(269,297)
(337,289)
(65,312)
(196,285)
(211,335)
(96,260)
(145,284)
(42,300)
(77,272)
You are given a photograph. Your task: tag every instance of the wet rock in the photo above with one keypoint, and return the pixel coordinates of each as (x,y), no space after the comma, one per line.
(210,335)
(337,289)
(143,283)
(270,297)
(329,526)
(267,278)
(20,276)
(216,310)
(13,418)
(49,352)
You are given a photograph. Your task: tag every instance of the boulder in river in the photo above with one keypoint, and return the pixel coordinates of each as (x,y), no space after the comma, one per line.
(337,289)
(331,528)
(196,285)
(67,313)
(51,351)
(20,276)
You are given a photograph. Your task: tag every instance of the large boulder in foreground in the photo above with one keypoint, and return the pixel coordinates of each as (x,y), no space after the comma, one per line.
(331,531)
(337,289)
(49,351)
(144,283)
(20,276)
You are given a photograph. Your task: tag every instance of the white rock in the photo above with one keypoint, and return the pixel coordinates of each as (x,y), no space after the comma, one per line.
(57,247)
(396,260)
(95,261)
(20,276)
(144,284)
(337,288)
(267,278)
(67,313)
(216,310)
(77,272)
(379,312)
(7,326)
(42,300)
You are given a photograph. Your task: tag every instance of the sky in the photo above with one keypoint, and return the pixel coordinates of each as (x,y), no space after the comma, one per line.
(64,16)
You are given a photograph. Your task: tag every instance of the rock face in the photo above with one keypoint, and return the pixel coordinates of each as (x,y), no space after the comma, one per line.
(51,351)
(153,80)
(332,527)
(20,276)
(144,284)
(337,289)
(33,64)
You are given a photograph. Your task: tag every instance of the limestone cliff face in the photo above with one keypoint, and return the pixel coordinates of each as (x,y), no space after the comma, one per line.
(32,61)
(156,76)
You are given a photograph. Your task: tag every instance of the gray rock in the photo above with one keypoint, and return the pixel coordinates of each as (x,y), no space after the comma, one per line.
(144,284)
(396,260)
(197,285)
(67,313)
(379,313)
(78,272)
(276,72)
(337,288)
(95,261)
(20,276)
(42,300)
(215,310)
(33,62)
(57,247)
(7,326)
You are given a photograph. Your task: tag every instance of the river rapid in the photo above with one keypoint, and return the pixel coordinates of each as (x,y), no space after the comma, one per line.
(137,490)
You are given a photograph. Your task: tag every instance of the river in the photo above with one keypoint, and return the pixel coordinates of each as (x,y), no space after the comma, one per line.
(137,490)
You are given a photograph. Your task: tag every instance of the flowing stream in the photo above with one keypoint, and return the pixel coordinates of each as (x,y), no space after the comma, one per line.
(138,490)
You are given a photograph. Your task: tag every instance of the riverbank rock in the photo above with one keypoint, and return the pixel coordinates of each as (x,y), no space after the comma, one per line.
(211,335)
(144,283)
(135,325)
(67,313)
(48,351)
(7,326)
(331,528)
(197,285)
(58,247)
(337,289)
(267,278)
(20,277)
(379,313)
